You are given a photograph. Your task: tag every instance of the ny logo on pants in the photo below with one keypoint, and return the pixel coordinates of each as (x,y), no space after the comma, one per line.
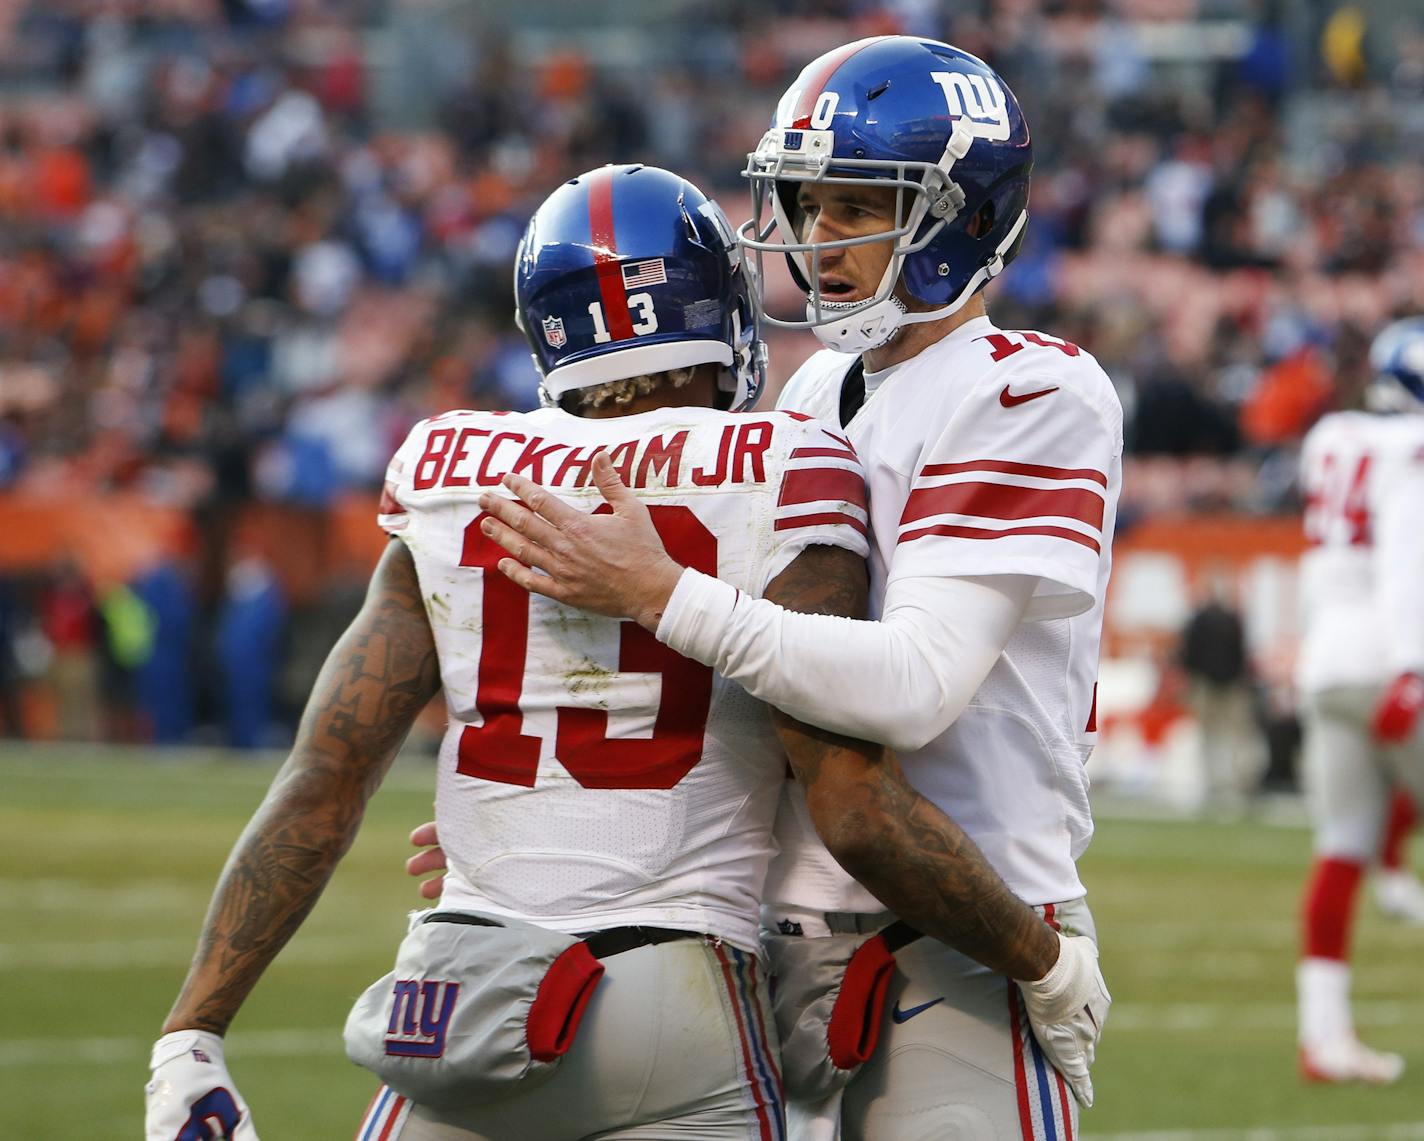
(420,1017)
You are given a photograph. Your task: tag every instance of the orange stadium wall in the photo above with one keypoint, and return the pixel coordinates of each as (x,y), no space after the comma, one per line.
(1162,567)
(1165,567)
(115,537)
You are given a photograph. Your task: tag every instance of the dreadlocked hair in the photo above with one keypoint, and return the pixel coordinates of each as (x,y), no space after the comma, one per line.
(624,392)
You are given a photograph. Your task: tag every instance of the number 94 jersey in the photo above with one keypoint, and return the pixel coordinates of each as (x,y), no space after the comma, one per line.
(590,777)
(1363,479)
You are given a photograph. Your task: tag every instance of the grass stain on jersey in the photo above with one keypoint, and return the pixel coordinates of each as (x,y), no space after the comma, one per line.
(589,679)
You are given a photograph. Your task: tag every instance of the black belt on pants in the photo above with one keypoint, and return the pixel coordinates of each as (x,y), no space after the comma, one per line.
(602,944)
(899,934)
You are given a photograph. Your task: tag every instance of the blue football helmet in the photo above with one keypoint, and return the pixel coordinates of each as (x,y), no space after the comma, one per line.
(1397,358)
(628,270)
(915,114)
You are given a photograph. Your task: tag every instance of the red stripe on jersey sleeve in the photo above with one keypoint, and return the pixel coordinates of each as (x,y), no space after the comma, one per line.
(823,454)
(810,485)
(390,505)
(1011,468)
(1004,501)
(984,533)
(820,519)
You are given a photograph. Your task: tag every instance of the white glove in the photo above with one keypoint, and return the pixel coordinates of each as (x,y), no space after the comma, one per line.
(190,1096)
(1067,1009)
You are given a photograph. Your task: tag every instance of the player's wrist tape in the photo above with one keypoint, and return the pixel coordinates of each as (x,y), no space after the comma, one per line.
(180,1042)
(697,615)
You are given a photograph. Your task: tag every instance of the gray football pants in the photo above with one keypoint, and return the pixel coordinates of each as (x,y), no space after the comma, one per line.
(677,1044)
(1349,776)
(957,1060)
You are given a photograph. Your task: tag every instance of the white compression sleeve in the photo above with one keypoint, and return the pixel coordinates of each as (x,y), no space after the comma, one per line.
(900,681)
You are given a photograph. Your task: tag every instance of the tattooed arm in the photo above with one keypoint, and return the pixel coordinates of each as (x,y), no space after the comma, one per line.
(909,854)
(376,680)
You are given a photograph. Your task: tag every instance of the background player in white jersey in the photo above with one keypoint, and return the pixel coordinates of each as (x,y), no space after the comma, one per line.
(897,173)
(1359,675)
(1397,890)
(591,781)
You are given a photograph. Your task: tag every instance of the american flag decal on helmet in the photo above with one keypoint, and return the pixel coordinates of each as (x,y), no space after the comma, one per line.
(640,273)
(554,332)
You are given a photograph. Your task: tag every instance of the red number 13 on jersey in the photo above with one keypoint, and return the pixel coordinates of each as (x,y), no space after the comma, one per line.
(499,750)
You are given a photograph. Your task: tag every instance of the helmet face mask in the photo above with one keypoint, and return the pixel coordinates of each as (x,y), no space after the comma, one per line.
(631,270)
(920,116)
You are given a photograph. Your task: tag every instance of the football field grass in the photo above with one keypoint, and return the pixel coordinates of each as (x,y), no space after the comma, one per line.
(107,861)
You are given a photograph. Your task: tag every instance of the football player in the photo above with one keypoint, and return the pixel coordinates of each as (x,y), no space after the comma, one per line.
(1360,675)
(1397,890)
(592,783)
(896,176)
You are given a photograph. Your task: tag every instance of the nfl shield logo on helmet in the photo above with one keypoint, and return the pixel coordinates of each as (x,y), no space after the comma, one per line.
(554,332)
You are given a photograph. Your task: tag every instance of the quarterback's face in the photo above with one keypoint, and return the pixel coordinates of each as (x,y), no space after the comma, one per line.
(835,212)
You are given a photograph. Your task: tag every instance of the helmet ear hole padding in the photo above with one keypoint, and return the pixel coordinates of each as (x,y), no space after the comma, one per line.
(983,220)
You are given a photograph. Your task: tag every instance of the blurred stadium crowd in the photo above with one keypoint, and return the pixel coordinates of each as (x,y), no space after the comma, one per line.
(245,244)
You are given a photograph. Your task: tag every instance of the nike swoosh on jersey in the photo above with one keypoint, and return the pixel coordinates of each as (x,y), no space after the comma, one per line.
(1009,400)
(905,1015)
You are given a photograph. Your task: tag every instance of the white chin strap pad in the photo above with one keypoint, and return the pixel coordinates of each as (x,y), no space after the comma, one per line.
(872,326)
(868,327)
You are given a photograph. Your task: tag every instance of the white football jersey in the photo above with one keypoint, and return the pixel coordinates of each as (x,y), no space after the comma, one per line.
(991,452)
(589,776)
(1363,607)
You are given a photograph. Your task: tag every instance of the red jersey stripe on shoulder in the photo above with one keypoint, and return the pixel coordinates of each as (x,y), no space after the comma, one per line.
(605,255)
(1008,467)
(1004,501)
(809,485)
(958,532)
(821,519)
(822,454)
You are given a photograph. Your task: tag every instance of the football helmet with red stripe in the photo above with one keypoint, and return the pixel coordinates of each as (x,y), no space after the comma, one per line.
(926,118)
(629,270)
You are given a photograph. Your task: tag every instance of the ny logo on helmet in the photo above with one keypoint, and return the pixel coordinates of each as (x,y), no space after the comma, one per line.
(420,1017)
(554,332)
(979,99)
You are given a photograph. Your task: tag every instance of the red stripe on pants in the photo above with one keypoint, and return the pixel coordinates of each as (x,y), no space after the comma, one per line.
(748,1062)
(1020,1071)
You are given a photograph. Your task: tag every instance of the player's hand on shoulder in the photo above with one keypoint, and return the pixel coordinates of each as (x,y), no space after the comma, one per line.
(1067,1009)
(191,1096)
(1397,713)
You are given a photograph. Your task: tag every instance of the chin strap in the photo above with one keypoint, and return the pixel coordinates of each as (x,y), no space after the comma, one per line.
(871,326)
